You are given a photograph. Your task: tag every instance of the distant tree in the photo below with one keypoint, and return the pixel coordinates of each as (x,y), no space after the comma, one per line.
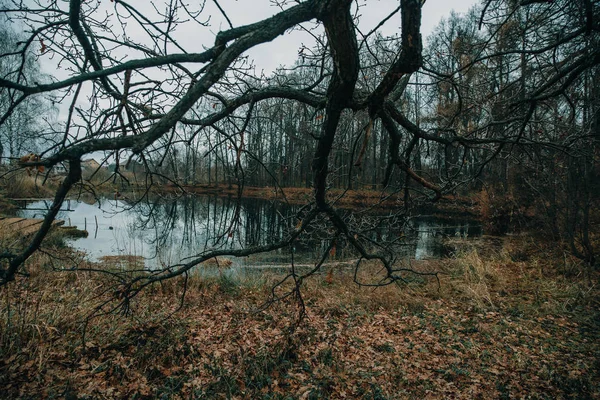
(26,127)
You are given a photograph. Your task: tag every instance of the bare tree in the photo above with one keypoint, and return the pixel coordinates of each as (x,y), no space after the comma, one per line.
(27,129)
(146,97)
(516,101)
(132,111)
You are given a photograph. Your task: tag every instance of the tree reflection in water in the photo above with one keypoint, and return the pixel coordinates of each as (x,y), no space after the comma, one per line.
(168,231)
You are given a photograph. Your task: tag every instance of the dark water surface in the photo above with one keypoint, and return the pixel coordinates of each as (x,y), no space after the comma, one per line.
(169,231)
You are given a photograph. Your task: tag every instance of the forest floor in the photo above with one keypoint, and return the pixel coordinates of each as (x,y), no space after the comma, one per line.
(510,318)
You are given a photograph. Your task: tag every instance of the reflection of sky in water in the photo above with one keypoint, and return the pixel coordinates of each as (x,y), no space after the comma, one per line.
(169,232)
(164,234)
(114,234)
(430,232)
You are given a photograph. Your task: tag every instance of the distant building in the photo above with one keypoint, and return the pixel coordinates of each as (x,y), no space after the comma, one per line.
(59,169)
(90,164)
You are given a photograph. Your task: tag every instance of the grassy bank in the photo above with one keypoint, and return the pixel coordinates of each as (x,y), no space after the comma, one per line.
(19,184)
(508,320)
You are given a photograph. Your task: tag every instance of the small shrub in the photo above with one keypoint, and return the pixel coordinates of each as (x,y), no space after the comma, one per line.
(228,285)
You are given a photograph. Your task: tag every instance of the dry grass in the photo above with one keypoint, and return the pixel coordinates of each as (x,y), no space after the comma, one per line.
(20,184)
(219,262)
(474,279)
(121,262)
(343,198)
(500,325)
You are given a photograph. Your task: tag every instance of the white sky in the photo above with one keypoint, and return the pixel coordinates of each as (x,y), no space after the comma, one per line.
(284,49)
(267,57)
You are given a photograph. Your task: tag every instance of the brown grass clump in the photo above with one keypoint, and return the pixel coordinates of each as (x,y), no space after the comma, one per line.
(500,325)
(219,262)
(19,185)
(475,279)
(126,261)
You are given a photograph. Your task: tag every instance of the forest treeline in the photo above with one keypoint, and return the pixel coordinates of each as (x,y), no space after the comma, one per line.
(507,102)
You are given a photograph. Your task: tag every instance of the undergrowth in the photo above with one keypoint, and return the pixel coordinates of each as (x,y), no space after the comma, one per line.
(506,323)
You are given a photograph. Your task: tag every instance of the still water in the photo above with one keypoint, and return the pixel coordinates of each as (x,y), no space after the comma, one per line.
(167,231)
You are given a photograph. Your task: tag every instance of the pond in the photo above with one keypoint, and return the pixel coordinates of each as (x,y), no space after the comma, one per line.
(166,231)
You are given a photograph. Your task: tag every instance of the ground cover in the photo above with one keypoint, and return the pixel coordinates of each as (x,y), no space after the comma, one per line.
(508,319)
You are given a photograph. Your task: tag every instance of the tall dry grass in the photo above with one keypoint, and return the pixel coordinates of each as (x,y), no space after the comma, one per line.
(55,304)
(475,279)
(54,300)
(19,184)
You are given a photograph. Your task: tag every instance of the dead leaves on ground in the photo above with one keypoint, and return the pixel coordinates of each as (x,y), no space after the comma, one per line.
(430,347)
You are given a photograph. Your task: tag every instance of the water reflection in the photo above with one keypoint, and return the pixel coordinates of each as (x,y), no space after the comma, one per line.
(169,231)
(429,232)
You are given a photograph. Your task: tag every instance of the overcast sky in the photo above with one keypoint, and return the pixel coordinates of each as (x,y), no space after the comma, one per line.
(284,50)
(267,57)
